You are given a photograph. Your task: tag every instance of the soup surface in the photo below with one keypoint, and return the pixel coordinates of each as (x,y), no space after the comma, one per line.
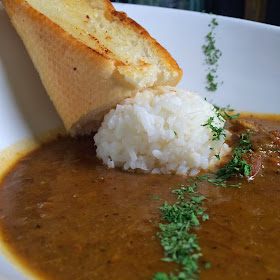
(66,216)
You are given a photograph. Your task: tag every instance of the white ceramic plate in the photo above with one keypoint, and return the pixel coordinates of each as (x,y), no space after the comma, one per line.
(249,69)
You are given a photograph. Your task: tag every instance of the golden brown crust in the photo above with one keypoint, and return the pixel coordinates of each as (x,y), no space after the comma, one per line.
(160,50)
(11,6)
(83,83)
(109,5)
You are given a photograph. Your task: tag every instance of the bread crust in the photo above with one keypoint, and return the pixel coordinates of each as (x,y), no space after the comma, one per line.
(82,83)
(171,64)
(12,6)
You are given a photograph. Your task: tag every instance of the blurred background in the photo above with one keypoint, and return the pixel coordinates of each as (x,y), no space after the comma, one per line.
(266,11)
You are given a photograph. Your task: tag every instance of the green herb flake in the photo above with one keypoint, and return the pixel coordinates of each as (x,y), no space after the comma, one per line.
(237,166)
(212,55)
(155,197)
(223,109)
(223,112)
(201,178)
(161,276)
(217,132)
(217,107)
(212,85)
(207,265)
(239,185)
(179,244)
(231,117)
(214,21)
(197,199)
(204,177)
(205,217)
(218,182)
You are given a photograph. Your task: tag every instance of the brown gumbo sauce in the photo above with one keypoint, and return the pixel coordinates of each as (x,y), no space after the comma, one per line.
(66,216)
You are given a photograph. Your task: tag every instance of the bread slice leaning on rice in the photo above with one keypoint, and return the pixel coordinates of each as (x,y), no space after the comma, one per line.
(89,56)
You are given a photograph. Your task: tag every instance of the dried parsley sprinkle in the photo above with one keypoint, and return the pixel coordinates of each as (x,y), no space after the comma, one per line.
(155,197)
(223,115)
(239,185)
(202,177)
(207,265)
(223,112)
(212,56)
(231,117)
(217,131)
(223,109)
(205,217)
(212,85)
(237,167)
(179,244)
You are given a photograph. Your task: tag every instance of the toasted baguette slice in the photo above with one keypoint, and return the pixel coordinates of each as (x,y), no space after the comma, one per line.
(89,56)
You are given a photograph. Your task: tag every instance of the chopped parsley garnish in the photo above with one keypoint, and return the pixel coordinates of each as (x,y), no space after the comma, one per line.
(211,81)
(223,112)
(207,265)
(231,117)
(239,185)
(237,167)
(205,217)
(179,244)
(155,197)
(223,109)
(202,177)
(217,131)
(212,56)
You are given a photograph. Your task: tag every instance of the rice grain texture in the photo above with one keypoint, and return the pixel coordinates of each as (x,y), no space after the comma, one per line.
(161,130)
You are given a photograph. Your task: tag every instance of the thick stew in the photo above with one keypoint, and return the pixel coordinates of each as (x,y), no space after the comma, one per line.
(66,216)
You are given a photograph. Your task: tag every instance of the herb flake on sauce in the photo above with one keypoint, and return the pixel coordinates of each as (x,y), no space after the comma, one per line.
(179,244)
(237,165)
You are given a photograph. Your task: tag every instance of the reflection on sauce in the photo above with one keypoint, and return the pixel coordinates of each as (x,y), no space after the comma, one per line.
(66,216)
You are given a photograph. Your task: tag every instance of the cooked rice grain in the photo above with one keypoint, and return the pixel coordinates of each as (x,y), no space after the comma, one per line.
(160,131)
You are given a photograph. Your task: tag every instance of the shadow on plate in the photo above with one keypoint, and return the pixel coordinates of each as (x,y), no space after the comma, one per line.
(23,82)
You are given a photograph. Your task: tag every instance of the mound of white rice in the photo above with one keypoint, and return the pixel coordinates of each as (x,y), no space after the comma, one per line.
(160,131)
